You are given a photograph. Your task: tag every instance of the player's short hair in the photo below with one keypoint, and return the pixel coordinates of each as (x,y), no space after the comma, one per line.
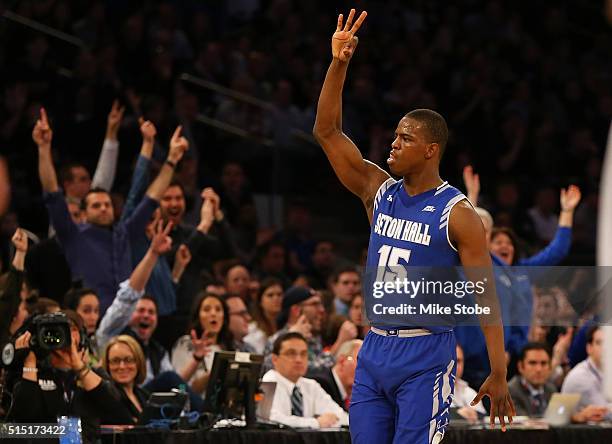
(278,343)
(534,346)
(435,125)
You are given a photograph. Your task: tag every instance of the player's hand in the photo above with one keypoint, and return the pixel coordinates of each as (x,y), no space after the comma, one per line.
(20,240)
(344,40)
(327,420)
(113,121)
(570,198)
(178,146)
(42,133)
(496,388)
(147,129)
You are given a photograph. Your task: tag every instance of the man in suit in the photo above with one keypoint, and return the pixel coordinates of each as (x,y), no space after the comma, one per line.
(338,381)
(531,389)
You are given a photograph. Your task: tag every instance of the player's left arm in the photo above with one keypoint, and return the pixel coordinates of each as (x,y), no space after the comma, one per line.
(466,232)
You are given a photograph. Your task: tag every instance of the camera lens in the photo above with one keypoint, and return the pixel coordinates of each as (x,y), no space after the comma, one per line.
(52,337)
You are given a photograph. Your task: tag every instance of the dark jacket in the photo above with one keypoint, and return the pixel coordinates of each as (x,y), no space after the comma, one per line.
(141,394)
(9,303)
(327,381)
(56,394)
(523,402)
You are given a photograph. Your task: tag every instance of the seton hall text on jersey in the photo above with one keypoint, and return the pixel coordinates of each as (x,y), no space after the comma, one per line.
(402,229)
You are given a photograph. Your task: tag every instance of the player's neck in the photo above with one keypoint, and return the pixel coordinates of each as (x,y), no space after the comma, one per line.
(421,182)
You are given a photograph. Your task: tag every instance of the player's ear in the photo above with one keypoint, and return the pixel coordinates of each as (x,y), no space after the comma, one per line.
(432,150)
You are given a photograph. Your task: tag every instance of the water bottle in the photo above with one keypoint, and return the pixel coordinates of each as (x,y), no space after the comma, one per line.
(187,405)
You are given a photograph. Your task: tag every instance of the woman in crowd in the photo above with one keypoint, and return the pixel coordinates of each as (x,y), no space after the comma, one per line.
(124,361)
(86,303)
(193,354)
(265,310)
(357,318)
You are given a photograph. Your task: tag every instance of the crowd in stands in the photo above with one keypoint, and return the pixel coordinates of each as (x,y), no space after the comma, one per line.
(158,257)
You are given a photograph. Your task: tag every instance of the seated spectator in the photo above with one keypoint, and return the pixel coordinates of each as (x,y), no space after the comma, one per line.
(193,354)
(302,312)
(586,378)
(299,401)
(338,381)
(237,278)
(464,394)
(270,261)
(239,319)
(124,361)
(265,311)
(323,262)
(346,283)
(356,316)
(531,389)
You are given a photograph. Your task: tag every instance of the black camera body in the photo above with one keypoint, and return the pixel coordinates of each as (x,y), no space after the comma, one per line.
(50,331)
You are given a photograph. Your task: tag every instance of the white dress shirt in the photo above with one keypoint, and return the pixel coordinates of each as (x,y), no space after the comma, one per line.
(316,402)
(464,394)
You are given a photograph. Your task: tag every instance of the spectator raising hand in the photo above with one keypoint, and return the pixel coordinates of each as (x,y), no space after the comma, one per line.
(20,241)
(113,122)
(181,260)
(472,184)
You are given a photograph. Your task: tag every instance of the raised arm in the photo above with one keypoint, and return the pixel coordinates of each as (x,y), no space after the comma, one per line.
(140,176)
(178,146)
(361,177)
(467,234)
(160,244)
(107,162)
(471,181)
(42,136)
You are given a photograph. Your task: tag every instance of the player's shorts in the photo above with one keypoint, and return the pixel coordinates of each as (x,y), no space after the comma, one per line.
(403,389)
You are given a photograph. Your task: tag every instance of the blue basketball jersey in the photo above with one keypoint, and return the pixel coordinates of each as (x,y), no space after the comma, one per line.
(409,231)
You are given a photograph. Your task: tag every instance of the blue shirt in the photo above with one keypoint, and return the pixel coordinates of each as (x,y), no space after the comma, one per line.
(100,256)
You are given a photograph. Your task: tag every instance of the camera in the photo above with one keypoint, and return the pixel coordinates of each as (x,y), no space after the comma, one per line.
(50,331)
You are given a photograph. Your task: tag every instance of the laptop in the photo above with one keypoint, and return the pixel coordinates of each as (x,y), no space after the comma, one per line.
(560,408)
(265,405)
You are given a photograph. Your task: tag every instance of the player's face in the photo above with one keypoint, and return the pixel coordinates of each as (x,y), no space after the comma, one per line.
(410,149)
(535,368)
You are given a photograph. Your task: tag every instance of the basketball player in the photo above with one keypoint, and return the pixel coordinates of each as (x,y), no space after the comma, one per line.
(405,375)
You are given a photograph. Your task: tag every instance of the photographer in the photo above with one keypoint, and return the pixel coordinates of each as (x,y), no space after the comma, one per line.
(58,382)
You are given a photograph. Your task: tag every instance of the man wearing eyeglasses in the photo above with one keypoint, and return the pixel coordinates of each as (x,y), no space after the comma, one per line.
(298,401)
(302,312)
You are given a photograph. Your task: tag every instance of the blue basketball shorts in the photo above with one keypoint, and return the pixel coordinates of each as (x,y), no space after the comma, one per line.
(403,389)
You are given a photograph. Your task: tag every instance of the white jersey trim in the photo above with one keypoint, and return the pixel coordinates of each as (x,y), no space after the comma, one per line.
(451,203)
(381,190)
